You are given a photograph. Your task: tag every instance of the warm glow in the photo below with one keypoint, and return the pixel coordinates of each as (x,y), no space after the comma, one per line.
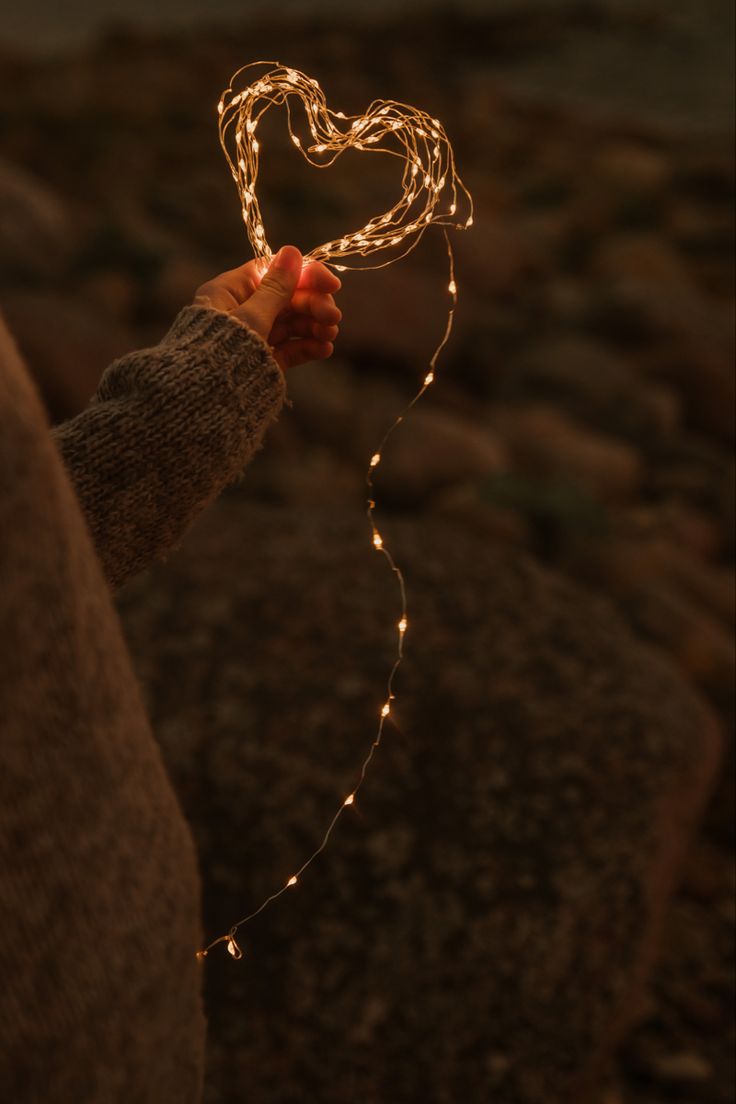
(428,172)
(397,128)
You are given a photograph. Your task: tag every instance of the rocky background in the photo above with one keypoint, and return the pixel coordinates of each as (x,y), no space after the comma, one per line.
(572,474)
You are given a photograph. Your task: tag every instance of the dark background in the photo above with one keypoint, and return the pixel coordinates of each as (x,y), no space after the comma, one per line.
(583,414)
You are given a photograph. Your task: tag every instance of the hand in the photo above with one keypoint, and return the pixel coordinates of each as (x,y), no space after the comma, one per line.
(290,306)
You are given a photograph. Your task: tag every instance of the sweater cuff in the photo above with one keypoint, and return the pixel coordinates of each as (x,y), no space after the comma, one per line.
(226,344)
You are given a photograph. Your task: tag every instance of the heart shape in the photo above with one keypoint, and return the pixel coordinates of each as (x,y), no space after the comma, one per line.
(387,127)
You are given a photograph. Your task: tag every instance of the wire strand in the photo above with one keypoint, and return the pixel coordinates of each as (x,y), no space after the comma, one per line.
(411,128)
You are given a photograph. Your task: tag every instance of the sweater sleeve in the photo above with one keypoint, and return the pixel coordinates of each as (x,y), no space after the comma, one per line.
(168,428)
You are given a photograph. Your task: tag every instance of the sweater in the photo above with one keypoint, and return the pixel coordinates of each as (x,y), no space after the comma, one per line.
(100,912)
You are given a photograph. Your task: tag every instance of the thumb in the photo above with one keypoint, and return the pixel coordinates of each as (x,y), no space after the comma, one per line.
(276,288)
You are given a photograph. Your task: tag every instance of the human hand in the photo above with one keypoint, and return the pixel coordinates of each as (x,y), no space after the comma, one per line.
(290,305)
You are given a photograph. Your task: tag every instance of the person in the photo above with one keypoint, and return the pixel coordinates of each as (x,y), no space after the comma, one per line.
(100,986)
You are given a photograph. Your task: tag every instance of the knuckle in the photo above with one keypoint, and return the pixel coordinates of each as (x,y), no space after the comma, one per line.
(273,283)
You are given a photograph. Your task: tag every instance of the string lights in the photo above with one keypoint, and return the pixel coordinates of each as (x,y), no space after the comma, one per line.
(432,193)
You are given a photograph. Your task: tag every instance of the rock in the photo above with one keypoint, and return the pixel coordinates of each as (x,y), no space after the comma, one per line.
(596,386)
(482,921)
(683,1068)
(631,558)
(307,477)
(668,613)
(398,317)
(641,258)
(430,449)
(703,649)
(544,441)
(685,527)
(36,228)
(465,506)
(176,283)
(495,255)
(112,292)
(704,376)
(633,171)
(324,402)
(67,346)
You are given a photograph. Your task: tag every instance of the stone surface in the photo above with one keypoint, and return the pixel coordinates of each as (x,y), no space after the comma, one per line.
(482,922)
(599,387)
(36,228)
(547,442)
(66,346)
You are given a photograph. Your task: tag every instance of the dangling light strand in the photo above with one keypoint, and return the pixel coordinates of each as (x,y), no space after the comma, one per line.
(429,167)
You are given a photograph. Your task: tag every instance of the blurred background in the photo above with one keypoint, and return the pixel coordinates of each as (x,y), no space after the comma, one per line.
(581,424)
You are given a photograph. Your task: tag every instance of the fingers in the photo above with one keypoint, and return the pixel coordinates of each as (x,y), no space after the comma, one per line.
(235,285)
(275,290)
(301,325)
(231,288)
(290,305)
(292,353)
(320,306)
(317,277)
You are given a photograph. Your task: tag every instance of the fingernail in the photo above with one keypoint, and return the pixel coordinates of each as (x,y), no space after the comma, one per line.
(287,257)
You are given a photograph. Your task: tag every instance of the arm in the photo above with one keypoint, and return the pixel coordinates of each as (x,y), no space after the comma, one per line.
(168,428)
(172,425)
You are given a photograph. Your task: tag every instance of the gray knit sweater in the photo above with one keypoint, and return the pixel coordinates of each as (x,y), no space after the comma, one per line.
(100,990)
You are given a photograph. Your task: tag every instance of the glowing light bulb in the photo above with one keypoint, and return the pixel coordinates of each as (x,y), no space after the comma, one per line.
(428,166)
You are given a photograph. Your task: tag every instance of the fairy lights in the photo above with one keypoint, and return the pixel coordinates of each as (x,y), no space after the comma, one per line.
(431,187)
(431,193)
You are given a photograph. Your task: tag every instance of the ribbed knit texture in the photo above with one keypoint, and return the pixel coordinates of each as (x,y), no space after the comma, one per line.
(100,991)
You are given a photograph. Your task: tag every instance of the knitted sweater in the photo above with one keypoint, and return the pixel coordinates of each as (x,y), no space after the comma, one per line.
(100,990)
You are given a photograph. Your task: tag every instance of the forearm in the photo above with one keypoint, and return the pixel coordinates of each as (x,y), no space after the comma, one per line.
(168,428)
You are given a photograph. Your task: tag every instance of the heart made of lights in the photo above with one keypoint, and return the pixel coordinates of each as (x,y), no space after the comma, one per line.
(431,188)
(432,191)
